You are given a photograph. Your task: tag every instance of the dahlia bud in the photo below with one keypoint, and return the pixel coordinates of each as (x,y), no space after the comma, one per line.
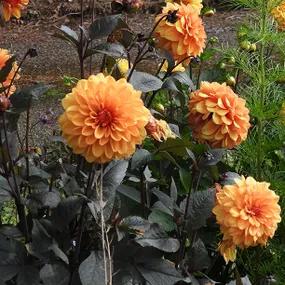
(159,130)
(209,12)
(4,104)
(222,65)
(172,16)
(159,107)
(245,45)
(231,81)
(214,40)
(252,47)
(232,60)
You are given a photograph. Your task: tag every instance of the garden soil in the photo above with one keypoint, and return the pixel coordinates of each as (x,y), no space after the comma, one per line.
(56,58)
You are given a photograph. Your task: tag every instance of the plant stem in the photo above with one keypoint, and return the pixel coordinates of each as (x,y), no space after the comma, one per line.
(27,143)
(82,214)
(18,199)
(260,154)
(137,59)
(103,225)
(81,50)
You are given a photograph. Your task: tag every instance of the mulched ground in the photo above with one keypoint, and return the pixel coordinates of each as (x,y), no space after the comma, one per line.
(56,58)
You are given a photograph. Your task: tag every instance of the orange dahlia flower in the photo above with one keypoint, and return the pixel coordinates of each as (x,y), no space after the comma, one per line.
(183,37)
(278,14)
(13,8)
(248,214)
(104,119)
(159,130)
(218,116)
(196,4)
(4,56)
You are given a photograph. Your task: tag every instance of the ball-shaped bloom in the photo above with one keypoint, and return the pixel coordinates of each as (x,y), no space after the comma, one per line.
(12,8)
(184,36)
(247,212)
(218,116)
(159,130)
(278,14)
(4,57)
(195,4)
(104,119)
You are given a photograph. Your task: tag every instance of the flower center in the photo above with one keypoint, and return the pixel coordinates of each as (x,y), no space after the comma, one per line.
(253,211)
(104,118)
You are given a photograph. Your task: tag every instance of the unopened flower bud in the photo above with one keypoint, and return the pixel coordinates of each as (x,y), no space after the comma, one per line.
(209,12)
(214,40)
(159,107)
(231,81)
(232,60)
(245,45)
(159,130)
(172,16)
(252,47)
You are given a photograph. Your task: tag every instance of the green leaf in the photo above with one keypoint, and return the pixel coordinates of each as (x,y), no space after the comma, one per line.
(198,257)
(5,191)
(186,179)
(91,270)
(176,146)
(183,78)
(130,192)
(159,272)
(28,275)
(21,100)
(200,208)
(4,71)
(145,82)
(67,34)
(104,26)
(114,174)
(110,49)
(140,158)
(212,157)
(66,211)
(154,236)
(164,220)
(55,274)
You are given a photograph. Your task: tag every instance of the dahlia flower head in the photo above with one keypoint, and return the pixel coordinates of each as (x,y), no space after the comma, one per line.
(12,8)
(4,57)
(195,4)
(218,116)
(278,14)
(103,119)
(159,130)
(248,214)
(183,38)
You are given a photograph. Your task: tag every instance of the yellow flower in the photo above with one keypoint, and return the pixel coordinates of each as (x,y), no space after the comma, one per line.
(178,68)
(196,4)
(4,57)
(183,37)
(159,130)
(123,66)
(218,116)
(248,214)
(104,119)
(13,8)
(278,14)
